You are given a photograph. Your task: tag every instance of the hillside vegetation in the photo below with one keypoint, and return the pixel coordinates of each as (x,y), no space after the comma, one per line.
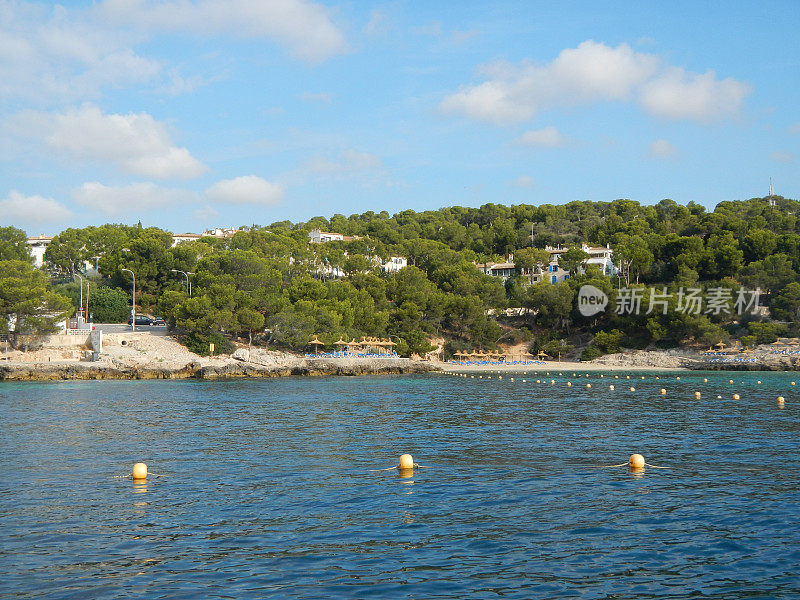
(266,284)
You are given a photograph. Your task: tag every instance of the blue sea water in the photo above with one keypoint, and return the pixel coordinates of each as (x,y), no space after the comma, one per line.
(265,488)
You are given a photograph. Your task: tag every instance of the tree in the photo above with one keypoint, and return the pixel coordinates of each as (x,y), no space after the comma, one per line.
(14,245)
(573,260)
(552,303)
(27,305)
(532,260)
(786,304)
(109,305)
(633,256)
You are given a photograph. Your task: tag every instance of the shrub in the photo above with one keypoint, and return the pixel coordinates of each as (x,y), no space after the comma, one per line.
(591,352)
(199,343)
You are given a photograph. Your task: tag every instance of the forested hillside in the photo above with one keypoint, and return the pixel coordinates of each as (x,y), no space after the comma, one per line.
(269,285)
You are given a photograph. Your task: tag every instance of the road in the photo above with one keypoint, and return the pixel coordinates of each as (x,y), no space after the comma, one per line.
(123,328)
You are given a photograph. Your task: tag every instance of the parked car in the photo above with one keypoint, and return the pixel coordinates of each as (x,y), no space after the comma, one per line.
(141,320)
(159,322)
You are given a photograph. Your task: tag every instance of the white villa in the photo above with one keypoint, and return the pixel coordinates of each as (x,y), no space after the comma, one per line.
(37,246)
(179,238)
(315,236)
(598,255)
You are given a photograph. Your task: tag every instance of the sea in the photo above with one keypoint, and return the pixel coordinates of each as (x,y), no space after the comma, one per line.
(285,488)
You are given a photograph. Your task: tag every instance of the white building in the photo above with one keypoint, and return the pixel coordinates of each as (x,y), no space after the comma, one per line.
(598,256)
(315,236)
(179,238)
(37,246)
(553,272)
(394,264)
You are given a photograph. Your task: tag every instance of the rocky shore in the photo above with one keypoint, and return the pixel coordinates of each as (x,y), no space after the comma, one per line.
(151,357)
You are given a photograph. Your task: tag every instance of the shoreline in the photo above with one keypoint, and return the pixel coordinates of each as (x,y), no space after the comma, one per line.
(87,371)
(129,356)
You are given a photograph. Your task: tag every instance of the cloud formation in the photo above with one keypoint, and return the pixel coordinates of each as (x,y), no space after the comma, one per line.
(594,72)
(305,28)
(134,198)
(549,137)
(248,189)
(136,142)
(18,208)
(51,54)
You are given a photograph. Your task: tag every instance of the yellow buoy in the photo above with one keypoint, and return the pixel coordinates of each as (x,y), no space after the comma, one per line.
(633,389)
(736,396)
(642,376)
(636,461)
(697,395)
(663,392)
(406,462)
(627,376)
(730,380)
(140,471)
(793,383)
(616,376)
(677,378)
(588,385)
(601,376)
(611,387)
(758,382)
(512,379)
(569,384)
(705,380)
(657,377)
(552,381)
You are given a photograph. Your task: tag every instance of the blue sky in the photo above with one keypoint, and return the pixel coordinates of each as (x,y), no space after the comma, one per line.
(193,114)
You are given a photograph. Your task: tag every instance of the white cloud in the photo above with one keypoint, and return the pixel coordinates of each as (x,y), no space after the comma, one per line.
(55,55)
(205,214)
(247,189)
(591,72)
(594,72)
(678,94)
(135,142)
(549,137)
(782,156)
(525,181)
(302,26)
(662,149)
(17,208)
(134,198)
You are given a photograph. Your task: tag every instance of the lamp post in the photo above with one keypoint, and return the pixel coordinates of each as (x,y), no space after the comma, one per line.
(133,300)
(80,306)
(188,283)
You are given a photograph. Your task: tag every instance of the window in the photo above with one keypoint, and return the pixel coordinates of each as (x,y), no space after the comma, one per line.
(555,278)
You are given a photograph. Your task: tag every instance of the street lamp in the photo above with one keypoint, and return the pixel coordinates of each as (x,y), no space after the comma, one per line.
(80,306)
(188,283)
(133,300)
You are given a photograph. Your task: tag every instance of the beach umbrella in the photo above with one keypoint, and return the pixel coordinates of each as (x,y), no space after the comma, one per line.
(341,342)
(316,343)
(720,345)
